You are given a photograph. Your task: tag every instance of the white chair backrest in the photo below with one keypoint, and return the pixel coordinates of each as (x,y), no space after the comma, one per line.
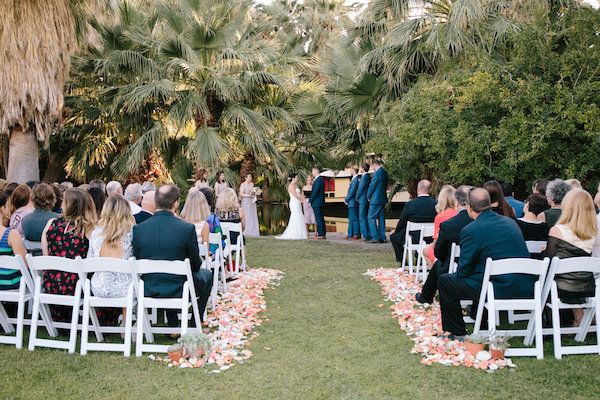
(231,226)
(42,263)
(89,265)
(418,226)
(535,246)
(29,245)
(566,265)
(163,267)
(427,231)
(203,248)
(454,254)
(17,262)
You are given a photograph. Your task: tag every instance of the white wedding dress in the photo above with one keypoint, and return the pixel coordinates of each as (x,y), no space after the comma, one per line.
(296,229)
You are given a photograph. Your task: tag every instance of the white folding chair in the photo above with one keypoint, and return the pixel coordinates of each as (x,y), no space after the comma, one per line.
(535,246)
(207,263)
(188,297)
(20,296)
(426,231)
(591,306)
(218,264)
(42,300)
(237,247)
(90,302)
(487,299)
(454,254)
(410,247)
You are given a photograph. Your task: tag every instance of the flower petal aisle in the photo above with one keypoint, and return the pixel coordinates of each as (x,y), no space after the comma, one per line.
(423,323)
(236,316)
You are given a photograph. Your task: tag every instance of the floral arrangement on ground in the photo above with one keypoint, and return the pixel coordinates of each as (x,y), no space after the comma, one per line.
(231,325)
(423,324)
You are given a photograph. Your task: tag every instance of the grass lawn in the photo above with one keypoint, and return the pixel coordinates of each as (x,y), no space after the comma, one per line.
(326,338)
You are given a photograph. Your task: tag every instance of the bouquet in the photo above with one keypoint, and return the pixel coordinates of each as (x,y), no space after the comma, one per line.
(256,192)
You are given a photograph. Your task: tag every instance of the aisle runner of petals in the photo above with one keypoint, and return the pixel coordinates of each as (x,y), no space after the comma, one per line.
(236,316)
(423,323)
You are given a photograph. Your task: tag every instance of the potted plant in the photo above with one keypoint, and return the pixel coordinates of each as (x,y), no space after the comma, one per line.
(498,345)
(175,352)
(196,345)
(475,343)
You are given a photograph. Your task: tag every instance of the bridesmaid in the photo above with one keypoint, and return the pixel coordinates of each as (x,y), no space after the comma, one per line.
(220,183)
(251,227)
(309,214)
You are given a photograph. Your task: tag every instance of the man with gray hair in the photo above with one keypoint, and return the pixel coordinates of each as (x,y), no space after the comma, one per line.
(133,194)
(113,188)
(555,193)
(147,187)
(449,233)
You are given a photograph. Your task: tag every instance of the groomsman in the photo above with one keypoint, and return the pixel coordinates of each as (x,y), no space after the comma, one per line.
(363,202)
(377,195)
(317,201)
(350,200)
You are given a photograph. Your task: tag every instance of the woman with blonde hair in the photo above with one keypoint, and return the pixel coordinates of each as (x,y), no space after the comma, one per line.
(228,210)
(196,211)
(112,238)
(573,236)
(68,236)
(446,209)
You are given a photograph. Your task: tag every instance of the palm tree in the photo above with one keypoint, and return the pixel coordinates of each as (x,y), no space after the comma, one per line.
(191,80)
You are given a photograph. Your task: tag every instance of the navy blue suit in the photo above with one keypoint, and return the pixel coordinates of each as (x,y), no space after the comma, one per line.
(352,203)
(317,201)
(167,237)
(363,204)
(377,196)
(489,236)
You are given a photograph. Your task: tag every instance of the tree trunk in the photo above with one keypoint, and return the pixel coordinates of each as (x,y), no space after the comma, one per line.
(248,166)
(23,158)
(56,168)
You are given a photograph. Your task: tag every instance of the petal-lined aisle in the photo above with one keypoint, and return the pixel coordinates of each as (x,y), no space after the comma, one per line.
(423,323)
(237,314)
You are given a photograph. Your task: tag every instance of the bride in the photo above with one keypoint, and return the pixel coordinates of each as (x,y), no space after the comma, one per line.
(296,229)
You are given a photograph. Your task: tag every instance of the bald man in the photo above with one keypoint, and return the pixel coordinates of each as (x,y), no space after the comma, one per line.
(420,209)
(148,207)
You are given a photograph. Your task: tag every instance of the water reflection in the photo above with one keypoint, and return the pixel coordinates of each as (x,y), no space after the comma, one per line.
(273,217)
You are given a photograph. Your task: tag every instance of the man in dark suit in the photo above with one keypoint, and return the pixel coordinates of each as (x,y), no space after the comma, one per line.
(317,201)
(449,233)
(490,235)
(148,207)
(363,202)
(420,209)
(167,237)
(377,196)
(351,202)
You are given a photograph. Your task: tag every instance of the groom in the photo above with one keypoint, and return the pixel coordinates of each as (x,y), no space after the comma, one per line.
(317,201)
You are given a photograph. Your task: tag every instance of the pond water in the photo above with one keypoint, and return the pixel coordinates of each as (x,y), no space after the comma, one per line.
(273,217)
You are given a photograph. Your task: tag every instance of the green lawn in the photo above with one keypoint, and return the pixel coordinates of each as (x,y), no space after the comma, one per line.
(326,338)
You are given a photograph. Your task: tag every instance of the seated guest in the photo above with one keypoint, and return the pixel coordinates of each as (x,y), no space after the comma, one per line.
(21,205)
(228,210)
(167,237)
(148,186)
(114,187)
(98,197)
(34,224)
(67,236)
(58,192)
(489,236)
(574,183)
(196,211)
(10,244)
(420,209)
(539,186)
(133,194)
(214,224)
(446,209)
(112,238)
(555,193)
(98,184)
(449,233)
(499,204)
(574,235)
(531,227)
(148,207)
(509,195)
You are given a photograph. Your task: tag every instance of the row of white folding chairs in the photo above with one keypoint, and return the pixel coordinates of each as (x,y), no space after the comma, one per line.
(31,289)
(545,288)
(425,230)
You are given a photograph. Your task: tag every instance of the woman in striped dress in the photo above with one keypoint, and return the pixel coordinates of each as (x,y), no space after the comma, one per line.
(10,244)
